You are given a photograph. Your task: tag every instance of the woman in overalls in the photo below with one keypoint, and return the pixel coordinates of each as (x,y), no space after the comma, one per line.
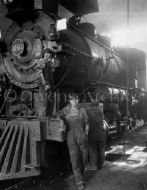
(77,131)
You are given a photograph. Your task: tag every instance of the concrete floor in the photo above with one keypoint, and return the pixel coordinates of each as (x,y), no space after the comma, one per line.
(125,168)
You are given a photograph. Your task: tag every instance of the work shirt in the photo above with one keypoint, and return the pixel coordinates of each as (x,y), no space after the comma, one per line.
(75,117)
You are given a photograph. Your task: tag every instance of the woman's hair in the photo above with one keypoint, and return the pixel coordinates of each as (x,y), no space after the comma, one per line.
(73,96)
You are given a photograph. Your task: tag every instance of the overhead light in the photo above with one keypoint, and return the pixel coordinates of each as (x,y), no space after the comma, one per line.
(123,37)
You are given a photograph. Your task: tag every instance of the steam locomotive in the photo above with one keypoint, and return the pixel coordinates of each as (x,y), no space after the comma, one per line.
(39,66)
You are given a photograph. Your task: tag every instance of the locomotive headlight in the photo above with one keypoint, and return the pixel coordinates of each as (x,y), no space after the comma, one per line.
(61,24)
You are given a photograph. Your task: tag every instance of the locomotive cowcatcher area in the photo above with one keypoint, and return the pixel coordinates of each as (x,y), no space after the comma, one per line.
(125,167)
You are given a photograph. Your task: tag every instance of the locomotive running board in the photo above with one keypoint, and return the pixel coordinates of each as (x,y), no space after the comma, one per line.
(19,149)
